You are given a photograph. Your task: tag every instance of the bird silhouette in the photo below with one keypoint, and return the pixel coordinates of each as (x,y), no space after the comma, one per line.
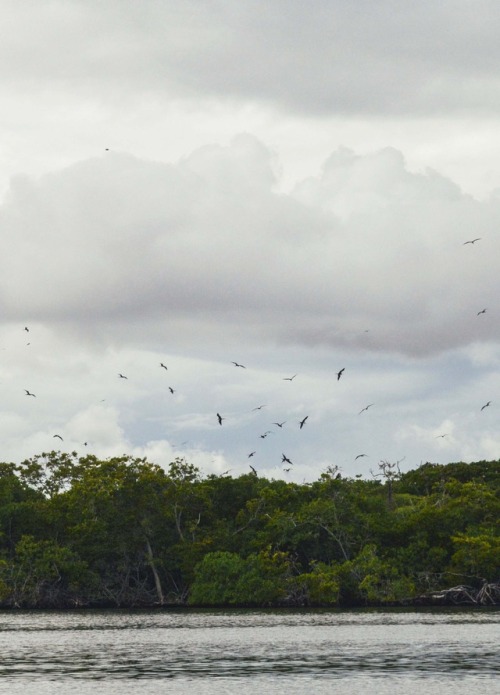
(303,422)
(220,418)
(441,436)
(287,470)
(29,394)
(289,378)
(26,329)
(360,456)
(171,389)
(483,311)
(263,436)
(164,366)
(365,408)
(472,241)
(285,459)
(122,376)
(252,453)
(486,405)
(253,470)
(59,437)
(236,364)
(259,407)
(339,374)
(279,424)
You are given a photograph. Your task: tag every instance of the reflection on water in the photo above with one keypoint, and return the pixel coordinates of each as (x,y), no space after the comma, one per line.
(275,652)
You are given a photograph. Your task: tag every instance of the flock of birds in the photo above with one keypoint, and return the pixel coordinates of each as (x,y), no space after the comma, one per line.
(286,461)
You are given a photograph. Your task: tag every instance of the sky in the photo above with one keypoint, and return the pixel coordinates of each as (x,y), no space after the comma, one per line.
(286,186)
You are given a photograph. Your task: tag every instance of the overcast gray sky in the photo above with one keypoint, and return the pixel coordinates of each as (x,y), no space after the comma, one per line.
(284,185)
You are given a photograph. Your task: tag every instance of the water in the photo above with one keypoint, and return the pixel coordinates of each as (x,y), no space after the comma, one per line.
(273,653)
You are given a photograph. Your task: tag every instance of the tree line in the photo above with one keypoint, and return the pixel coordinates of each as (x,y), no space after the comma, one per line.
(124,532)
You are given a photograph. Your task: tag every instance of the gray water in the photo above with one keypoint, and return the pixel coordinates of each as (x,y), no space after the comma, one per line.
(273,653)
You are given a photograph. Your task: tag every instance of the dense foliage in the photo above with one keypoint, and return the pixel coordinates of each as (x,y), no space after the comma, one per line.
(125,532)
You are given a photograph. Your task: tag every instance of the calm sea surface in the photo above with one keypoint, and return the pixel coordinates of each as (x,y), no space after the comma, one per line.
(372,651)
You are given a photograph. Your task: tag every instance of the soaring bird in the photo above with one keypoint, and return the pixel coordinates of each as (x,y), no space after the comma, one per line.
(303,422)
(238,365)
(171,389)
(279,424)
(472,241)
(365,408)
(164,366)
(360,456)
(289,378)
(253,470)
(285,459)
(26,329)
(29,394)
(259,407)
(486,405)
(122,376)
(220,418)
(339,374)
(263,436)
(483,311)
(59,437)
(441,436)
(252,453)
(287,470)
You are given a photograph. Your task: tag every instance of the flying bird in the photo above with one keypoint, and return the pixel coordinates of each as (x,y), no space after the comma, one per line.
(360,456)
(285,459)
(366,408)
(122,376)
(259,407)
(253,470)
(171,389)
(59,437)
(29,394)
(303,422)
(238,365)
(486,405)
(441,436)
(263,436)
(287,470)
(252,453)
(483,311)
(220,418)
(472,241)
(164,366)
(289,378)
(339,374)
(279,424)
(26,329)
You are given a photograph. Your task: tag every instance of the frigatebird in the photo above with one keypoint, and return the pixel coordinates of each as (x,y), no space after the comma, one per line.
(122,376)
(259,407)
(29,394)
(339,374)
(238,365)
(303,422)
(289,378)
(483,311)
(253,470)
(360,456)
(486,405)
(285,459)
(59,437)
(220,418)
(279,424)
(171,389)
(164,366)
(366,408)
(472,241)
(252,453)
